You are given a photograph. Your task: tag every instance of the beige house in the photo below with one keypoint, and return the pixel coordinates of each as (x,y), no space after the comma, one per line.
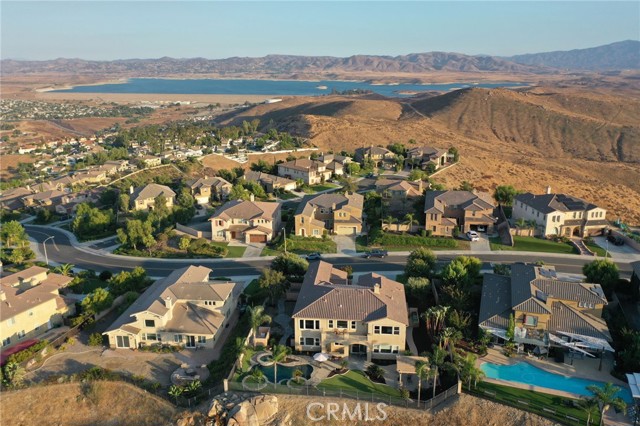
(422,156)
(151,161)
(336,163)
(270,182)
(30,304)
(469,211)
(560,214)
(46,199)
(144,197)
(367,319)
(399,195)
(381,157)
(247,221)
(204,188)
(546,310)
(310,171)
(332,213)
(186,308)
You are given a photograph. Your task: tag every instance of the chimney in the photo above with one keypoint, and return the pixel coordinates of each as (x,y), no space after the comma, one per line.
(548,189)
(3,296)
(420,185)
(252,197)
(131,189)
(376,288)
(168,303)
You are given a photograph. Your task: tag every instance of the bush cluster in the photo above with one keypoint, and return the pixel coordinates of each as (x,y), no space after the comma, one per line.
(27,353)
(393,240)
(203,247)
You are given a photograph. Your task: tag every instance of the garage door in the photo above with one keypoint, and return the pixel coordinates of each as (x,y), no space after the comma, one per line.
(345,230)
(257,238)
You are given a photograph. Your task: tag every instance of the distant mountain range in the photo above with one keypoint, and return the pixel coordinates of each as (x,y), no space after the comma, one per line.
(616,56)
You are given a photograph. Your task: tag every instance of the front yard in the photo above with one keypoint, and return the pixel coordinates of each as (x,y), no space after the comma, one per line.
(533,244)
(312,189)
(408,242)
(198,248)
(301,245)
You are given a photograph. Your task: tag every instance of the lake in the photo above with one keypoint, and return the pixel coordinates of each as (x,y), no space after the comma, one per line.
(269,87)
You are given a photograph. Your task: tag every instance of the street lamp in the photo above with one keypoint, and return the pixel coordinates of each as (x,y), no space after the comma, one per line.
(44,245)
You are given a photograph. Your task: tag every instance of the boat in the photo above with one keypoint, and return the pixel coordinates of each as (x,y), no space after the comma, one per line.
(321,87)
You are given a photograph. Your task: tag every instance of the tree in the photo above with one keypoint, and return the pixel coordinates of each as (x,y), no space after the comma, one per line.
(511,327)
(603,272)
(64,269)
(398,149)
(468,370)
(274,282)
(12,233)
(422,371)
(437,358)
(123,202)
(239,192)
(421,263)
(454,152)
(418,291)
(410,220)
(353,168)
(91,221)
(290,265)
(504,194)
(589,406)
(278,354)
(375,372)
(257,317)
(175,391)
(434,318)
(349,184)
(466,186)
(13,374)
(390,220)
(97,301)
(185,199)
(136,232)
(606,397)
(184,243)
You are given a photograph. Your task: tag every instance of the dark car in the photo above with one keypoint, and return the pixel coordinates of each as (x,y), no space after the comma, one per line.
(314,256)
(375,253)
(615,240)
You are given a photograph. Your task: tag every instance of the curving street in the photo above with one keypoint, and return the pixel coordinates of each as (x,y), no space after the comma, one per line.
(60,249)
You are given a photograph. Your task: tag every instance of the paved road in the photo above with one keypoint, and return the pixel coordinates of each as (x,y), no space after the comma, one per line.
(60,250)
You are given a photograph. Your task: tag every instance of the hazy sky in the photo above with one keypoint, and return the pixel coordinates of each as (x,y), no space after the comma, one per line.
(151,29)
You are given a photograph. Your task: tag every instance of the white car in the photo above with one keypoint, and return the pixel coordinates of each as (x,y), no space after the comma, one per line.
(473,236)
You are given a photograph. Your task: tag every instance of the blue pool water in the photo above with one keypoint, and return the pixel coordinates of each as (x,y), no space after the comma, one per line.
(525,373)
(285,372)
(268,87)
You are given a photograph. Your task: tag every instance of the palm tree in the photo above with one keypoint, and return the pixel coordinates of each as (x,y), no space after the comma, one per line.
(589,406)
(606,397)
(434,319)
(257,375)
(390,221)
(375,372)
(64,269)
(410,220)
(175,391)
(468,370)
(257,317)
(422,371)
(437,358)
(278,354)
(521,222)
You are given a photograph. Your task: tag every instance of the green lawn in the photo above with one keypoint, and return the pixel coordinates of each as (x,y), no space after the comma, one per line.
(320,187)
(255,294)
(533,244)
(357,381)
(597,250)
(302,245)
(232,251)
(286,196)
(361,244)
(537,402)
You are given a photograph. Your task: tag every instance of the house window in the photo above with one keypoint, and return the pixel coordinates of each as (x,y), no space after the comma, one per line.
(309,324)
(6,341)
(316,232)
(21,334)
(177,338)
(310,341)
(12,321)
(149,323)
(433,228)
(530,320)
(353,325)
(385,349)
(343,324)
(386,330)
(202,339)
(210,303)
(330,323)
(220,233)
(151,336)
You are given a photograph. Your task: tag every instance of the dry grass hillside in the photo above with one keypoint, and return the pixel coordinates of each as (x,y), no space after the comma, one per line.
(581,142)
(89,404)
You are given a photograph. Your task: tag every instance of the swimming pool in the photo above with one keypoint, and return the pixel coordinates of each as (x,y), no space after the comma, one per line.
(525,373)
(285,372)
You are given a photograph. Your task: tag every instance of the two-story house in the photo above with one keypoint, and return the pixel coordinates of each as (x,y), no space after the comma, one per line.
(560,214)
(270,182)
(186,308)
(204,189)
(247,221)
(381,157)
(422,156)
(445,210)
(546,310)
(336,163)
(367,319)
(329,213)
(150,160)
(311,172)
(30,304)
(144,197)
(46,199)
(399,195)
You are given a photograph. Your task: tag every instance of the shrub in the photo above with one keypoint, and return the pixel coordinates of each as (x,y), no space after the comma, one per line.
(95,339)
(27,353)
(392,240)
(105,275)
(203,247)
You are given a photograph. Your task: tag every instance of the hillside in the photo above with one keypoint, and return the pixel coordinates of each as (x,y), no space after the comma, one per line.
(615,56)
(580,142)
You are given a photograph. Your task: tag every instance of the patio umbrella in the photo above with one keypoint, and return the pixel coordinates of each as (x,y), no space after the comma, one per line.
(321,357)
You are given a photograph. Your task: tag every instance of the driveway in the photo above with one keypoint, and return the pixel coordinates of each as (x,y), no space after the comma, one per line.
(482,245)
(253,250)
(621,253)
(346,244)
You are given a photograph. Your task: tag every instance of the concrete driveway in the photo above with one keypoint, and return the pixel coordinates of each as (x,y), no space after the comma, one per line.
(622,253)
(346,244)
(482,245)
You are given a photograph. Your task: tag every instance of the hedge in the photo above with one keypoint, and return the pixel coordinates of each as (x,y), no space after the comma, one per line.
(27,353)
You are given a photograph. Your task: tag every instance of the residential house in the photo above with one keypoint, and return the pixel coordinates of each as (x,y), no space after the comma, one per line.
(144,197)
(114,167)
(30,304)
(247,221)
(186,308)
(270,182)
(380,156)
(422,156)
(329,213)
(204,189)
(560,214)
(151,161)
(547,311)
(367,319)
(399,195)
(46,199)
(311,172)
(11,199)
(469,211)
(336,163)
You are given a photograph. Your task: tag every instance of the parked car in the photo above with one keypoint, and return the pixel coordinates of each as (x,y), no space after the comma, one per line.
(615,240)
(314,256)
(473,236)
(199,206)
(375,253)
(482,229)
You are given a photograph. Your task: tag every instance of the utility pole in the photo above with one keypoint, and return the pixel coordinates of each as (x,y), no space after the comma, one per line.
(44,245)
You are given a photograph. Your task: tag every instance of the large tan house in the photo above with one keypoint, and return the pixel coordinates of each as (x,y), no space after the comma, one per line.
(247,221)
(311,172)
(422,156)
(546,311)
(560,214)
(331,213)
(186,308)
(144,197)
(367,319)
(380,156)
(270,182)
(30,304)
(204,189)
(399,195)
(469,211)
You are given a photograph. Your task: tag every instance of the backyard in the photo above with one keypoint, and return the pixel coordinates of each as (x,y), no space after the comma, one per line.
(356,381)
(533,244)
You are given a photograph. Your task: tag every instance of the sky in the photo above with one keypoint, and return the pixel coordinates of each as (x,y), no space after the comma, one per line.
(106,30)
